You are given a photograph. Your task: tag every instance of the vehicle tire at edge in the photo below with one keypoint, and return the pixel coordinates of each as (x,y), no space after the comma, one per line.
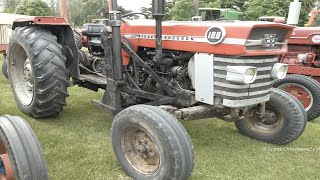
(23,149)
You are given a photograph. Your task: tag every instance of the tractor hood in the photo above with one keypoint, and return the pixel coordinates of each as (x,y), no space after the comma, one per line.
(305,35)
(238,38)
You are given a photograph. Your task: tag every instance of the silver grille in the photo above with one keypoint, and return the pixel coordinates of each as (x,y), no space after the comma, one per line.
(236,95)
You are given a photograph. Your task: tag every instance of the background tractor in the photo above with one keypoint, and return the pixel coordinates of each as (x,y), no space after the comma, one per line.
(303,60)
(154,73)
(215,14)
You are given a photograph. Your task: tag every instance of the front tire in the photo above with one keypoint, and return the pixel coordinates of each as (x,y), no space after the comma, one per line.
(37,72)
(305,89)
(150,143)
(20,152)
(285,120)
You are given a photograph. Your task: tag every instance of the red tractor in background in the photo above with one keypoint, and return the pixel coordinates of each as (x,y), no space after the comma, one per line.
(303,58)
(154,73)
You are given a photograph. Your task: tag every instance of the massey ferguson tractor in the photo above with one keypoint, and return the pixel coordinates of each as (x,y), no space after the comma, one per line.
(154,73)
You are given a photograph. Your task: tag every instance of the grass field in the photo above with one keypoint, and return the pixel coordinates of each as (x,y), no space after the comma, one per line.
(77,145)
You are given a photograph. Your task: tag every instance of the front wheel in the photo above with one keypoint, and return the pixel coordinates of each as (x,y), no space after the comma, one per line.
(284,121)
(150,143)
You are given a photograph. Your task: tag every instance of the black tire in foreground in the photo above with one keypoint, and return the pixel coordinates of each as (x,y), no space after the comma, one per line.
(150,143)
(285,120)
(305,89)
(37,72)
(21,155)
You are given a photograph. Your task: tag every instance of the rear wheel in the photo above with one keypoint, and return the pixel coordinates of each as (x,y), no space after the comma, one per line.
(37,72)
(5,68)
(305,89)
(20,153)
(285,120)
(150,143)
(78,40)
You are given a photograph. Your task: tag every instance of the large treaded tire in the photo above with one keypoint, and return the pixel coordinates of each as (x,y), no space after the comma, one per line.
(294,120)
(5,68)
(23,149)
(49,72)
(78,40)
(311,85)
(173,142)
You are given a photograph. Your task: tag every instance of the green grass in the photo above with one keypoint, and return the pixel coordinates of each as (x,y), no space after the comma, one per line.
(77,145)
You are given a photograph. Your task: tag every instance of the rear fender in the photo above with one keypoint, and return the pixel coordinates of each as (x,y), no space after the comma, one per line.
(64,33)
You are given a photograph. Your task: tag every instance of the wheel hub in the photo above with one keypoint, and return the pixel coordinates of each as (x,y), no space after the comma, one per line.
(27,72)
(270,117)
(271,123)
(21,72)
(140,150)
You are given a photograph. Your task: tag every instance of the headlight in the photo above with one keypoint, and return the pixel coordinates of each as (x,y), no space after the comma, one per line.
(279,71)
(241,74)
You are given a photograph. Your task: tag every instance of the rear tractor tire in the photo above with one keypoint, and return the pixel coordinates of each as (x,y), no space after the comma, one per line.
(305,89)
(150,143)
(284,122)
(37,72)
(78,40)
(5,68)
(20,153)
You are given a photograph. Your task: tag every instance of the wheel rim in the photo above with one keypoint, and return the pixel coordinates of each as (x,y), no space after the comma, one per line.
(140,150)
(21,75)
(271,124)
(300,92)
(6,164)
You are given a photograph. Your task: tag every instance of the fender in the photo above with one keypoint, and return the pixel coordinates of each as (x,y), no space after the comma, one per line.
(59,27)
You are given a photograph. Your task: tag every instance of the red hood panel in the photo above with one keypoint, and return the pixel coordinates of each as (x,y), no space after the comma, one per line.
(190,36)
(305,35)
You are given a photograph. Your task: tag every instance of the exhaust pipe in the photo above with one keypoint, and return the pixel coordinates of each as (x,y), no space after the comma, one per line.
(158,12)
(115,22)
(294,12)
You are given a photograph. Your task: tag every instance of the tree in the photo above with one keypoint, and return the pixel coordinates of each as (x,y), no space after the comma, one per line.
(10,5)
(257,8)
(182,10)
(33,8)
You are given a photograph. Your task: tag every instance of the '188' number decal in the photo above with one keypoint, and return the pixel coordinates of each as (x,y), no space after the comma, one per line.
(215,35)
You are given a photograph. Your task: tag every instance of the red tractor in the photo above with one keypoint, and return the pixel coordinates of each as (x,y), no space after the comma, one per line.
(154,73)
(303,60)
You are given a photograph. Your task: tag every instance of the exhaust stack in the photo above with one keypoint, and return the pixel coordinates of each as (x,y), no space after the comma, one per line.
(294,12)
(158,12)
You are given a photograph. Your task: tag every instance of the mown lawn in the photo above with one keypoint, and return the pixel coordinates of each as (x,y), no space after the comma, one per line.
(77,145)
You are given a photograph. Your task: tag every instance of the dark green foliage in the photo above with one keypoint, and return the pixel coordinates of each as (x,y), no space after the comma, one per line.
(257,8)
(10,5)
(33,8)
